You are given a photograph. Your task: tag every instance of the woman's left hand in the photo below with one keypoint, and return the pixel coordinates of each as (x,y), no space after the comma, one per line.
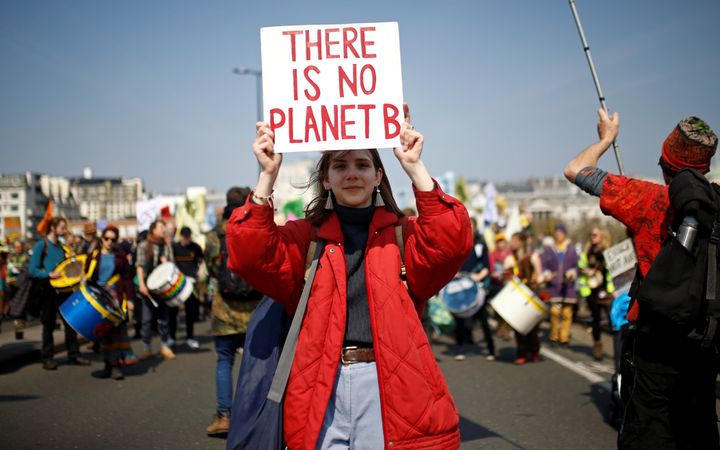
(411,141)
(409,154)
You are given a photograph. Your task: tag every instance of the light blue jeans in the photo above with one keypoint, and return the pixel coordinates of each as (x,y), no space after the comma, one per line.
(353,419)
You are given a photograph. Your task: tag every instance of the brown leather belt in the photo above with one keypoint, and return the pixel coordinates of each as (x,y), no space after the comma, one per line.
(352,355)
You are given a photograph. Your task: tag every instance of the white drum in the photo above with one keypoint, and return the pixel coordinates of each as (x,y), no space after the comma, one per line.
(170,285)
(519,306)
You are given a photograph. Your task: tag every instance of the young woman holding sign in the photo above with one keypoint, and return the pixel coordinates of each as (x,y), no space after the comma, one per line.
(364,375)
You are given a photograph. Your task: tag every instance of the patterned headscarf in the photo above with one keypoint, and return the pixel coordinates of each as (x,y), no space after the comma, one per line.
(690,145)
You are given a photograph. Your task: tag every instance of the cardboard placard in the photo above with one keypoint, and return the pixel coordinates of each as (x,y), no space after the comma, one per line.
(620,258)
(332,87)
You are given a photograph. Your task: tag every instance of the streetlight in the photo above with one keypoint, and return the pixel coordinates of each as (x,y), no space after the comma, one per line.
(258,86)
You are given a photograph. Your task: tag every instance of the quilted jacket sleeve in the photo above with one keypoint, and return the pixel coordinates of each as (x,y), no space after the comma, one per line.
(437,243)
(269,257)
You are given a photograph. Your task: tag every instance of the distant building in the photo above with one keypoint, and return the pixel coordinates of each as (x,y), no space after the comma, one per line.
(547,197)
(24,199)
(106,198)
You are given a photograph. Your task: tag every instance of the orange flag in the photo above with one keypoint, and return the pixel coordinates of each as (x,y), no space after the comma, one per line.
(45,222)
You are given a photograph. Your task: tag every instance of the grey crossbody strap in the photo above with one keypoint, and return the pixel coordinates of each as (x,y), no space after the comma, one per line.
(282,372)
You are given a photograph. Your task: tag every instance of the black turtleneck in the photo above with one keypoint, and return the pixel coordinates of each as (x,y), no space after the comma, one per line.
(355,223)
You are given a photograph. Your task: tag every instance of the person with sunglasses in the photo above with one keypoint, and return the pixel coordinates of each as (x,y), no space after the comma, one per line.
(108,267)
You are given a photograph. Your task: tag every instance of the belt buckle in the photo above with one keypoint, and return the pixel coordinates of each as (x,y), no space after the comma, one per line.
(342,355)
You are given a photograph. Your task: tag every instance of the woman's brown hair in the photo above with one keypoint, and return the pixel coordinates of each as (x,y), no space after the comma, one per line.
(315,212)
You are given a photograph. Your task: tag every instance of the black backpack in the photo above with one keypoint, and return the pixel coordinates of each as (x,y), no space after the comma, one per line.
(680,293)
(231,286)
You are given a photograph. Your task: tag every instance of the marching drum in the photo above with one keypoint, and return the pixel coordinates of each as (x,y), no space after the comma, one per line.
(71,274)
(463,297)
(519,306)
(169,284)
(92,311)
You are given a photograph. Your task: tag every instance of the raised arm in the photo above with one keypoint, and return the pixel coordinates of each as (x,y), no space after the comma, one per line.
(269,161)
(608,128)
(409,155)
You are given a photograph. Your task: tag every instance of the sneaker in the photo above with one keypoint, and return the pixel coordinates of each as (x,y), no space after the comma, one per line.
(520,361)
(166,352)
(535,357)
(220,425)
(193,343)
(116,373)
(460,357)
(49,364)
(78,361)
(490,357)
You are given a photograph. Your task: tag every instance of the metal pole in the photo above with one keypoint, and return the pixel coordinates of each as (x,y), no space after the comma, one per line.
(596,80)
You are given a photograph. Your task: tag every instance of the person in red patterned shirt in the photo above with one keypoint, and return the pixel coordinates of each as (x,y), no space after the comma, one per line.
(668,381)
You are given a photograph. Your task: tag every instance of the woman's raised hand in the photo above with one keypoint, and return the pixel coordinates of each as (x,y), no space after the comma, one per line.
(264,149)
(411,141)
(409,154)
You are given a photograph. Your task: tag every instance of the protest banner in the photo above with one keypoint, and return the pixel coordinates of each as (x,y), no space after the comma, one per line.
(621,261)
(332,87)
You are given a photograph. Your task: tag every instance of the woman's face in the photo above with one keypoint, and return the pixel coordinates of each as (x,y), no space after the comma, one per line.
(109,239)
(352,177)
(595,237)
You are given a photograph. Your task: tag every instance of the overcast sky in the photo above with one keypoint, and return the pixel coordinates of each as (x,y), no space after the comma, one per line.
(501,90)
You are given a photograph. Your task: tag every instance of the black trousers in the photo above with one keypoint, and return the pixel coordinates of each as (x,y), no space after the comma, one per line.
(668,389)
(464,327)
(50,303)
(192,313)
(529,344)
(596,310)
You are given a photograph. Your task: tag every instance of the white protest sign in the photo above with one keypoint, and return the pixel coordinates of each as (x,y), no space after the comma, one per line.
(620,258)
(332,87)
(147,211)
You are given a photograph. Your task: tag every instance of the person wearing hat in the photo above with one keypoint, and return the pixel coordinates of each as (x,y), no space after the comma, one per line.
(559,263)
(188,258)
(90,239)
(668,385)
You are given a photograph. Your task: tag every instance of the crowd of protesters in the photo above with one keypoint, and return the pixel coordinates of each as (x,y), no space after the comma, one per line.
(674,405)
(560,272)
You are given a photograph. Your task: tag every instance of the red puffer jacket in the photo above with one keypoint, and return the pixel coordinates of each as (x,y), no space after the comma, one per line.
(417,409)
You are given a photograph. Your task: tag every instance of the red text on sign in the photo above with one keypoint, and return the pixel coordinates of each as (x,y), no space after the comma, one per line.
(367,71)
(322,44)
(323,123)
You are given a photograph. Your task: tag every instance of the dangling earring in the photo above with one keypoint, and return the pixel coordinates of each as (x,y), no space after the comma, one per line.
(329,202)
(378,198)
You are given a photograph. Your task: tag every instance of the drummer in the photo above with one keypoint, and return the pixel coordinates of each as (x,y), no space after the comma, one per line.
(525,264)
(151,253)
(47,254)
(108,266)
(477,265)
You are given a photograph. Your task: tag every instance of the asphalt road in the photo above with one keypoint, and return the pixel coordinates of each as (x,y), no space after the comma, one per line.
(167,404)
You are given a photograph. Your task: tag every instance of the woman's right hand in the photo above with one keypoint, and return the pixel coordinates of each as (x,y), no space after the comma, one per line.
(264,149)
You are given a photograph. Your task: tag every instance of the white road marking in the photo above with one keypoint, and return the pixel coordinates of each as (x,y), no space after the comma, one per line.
(576,367)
